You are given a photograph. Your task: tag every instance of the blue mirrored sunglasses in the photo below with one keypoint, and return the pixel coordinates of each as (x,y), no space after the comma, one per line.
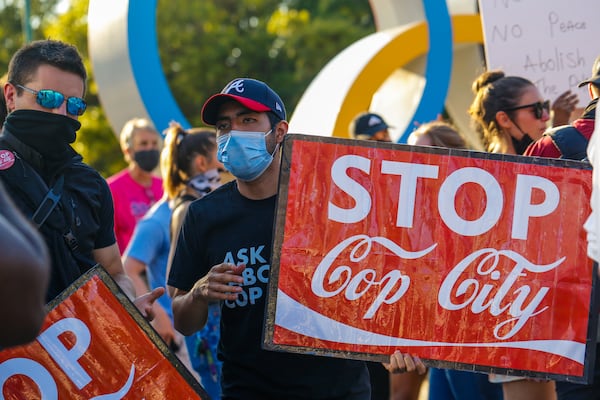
(49,98)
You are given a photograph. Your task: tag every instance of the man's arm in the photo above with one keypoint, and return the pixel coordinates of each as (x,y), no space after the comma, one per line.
(110,258)
(189,312)
(24,276)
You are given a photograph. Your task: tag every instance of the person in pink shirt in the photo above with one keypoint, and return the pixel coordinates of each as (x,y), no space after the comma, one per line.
(135,189)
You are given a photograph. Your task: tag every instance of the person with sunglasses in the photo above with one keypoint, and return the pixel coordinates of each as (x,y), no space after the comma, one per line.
(67,200)
(509,113)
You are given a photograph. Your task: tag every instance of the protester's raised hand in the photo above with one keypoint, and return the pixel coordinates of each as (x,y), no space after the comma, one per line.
(400,363)
(145,302)
(562,108)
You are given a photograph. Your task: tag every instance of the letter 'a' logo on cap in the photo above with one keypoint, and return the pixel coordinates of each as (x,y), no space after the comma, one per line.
(374,120)
(237,85)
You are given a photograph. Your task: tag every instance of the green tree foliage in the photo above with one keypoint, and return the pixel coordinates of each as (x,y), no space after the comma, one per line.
(11,36)
(12,31)
(309,44)
(205,44)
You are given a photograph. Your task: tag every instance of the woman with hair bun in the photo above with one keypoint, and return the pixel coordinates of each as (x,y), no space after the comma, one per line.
(191,171)
(508,112)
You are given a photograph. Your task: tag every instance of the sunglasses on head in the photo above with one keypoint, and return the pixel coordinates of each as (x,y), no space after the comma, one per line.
(49,98)
(538,108)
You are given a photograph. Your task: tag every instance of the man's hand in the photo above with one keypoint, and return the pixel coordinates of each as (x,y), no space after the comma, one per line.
(216,284)
(190,309)
(145,302)
(400,363)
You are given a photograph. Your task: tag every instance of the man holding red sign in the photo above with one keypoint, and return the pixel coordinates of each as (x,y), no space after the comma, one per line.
(224,254)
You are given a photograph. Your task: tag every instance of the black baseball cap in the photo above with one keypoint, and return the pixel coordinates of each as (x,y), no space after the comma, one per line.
(595,78)
(251,93)
(368,124)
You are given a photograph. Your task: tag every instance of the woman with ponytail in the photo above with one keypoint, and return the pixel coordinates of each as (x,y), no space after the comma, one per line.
(188,165)
(191,170)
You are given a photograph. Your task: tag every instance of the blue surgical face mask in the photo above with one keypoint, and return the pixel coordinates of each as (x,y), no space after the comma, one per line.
(244,154)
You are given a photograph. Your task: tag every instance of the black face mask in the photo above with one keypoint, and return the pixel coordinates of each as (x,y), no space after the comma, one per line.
(47,133)
(522,144)
(147,159)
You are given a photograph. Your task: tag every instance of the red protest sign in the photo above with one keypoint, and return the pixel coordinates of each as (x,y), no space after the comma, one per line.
(95,345)
(463,258)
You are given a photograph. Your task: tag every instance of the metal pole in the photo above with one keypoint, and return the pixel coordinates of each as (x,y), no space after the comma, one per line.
(26,21)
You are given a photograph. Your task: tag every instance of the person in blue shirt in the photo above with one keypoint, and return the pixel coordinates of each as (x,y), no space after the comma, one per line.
(188,157)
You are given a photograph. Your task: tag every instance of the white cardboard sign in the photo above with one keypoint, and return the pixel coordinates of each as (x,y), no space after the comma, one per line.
(553,43)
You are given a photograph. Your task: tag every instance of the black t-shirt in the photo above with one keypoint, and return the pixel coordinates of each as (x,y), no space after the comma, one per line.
(224,226)
(85,208)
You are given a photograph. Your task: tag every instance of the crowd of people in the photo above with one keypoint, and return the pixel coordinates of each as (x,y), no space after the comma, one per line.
(172,219)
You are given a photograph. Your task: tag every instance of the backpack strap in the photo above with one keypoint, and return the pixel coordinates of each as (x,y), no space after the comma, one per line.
(48,202)
(571,143)
(180,200)
(22,178)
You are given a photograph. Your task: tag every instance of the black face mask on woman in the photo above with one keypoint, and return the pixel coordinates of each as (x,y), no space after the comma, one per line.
(147,159)
(522,144)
